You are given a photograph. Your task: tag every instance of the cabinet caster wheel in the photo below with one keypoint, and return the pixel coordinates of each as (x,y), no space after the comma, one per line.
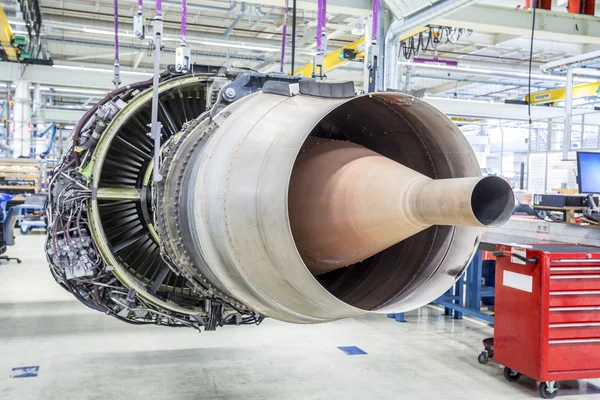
(483,357)
(548,390)
(510,375)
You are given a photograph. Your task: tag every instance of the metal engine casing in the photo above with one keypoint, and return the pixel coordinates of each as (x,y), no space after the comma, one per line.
(213,236)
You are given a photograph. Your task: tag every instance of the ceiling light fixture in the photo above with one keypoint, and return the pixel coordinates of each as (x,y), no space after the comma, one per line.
(497,72)
(73,90)
(82,68)
(105,32)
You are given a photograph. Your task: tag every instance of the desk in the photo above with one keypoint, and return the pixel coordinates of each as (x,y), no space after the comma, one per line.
(466,294)
(568,212)
(26,225)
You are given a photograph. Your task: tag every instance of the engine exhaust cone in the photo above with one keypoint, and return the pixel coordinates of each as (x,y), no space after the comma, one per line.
(348,203)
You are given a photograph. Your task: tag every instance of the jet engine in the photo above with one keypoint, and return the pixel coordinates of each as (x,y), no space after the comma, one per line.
(280,197)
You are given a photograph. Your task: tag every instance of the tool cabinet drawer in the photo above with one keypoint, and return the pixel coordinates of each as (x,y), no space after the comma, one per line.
(574,355)
(574,298)
(575,282)
(574,330)
(574,314)
(575,269)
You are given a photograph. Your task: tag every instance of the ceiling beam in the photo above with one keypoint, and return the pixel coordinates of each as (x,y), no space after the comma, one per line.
(498,110)
(138,58)
(444,87)
(503,38)
(98,55)
(350,7)
(556,26)
(61,115)
(97,78)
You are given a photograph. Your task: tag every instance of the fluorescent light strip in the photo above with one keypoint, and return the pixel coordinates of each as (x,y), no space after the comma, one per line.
(81,68)
(73,90)
(507,73)
(107,33)
(190,40)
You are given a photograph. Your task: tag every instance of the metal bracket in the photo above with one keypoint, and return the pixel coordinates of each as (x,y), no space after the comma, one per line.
(500,254)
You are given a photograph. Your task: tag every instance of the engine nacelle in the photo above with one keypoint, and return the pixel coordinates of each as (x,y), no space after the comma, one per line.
(214,242)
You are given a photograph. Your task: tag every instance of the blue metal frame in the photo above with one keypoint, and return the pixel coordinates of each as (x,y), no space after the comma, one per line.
(469,288)
(23,212)
(399,317)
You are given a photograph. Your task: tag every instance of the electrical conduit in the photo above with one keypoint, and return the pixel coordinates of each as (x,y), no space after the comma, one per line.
(183,21)
(117,78)
(284,36)
(406,25)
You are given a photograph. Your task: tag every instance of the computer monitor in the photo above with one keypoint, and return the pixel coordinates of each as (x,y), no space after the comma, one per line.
(588,172)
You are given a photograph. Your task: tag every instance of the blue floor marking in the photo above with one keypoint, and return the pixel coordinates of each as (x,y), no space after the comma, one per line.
(352,350)
(25,372)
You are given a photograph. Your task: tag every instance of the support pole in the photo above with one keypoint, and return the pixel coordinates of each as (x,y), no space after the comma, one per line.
(319,61)
(37,103)
(373,49)
(230,29)
(548,149)
(182,53)
(581,141)
(284,36)
(568,114)
(21,143)
(117,78)
(156,126)
(293,38)
(407,82)
(502,148)
(587,7)
(367,55)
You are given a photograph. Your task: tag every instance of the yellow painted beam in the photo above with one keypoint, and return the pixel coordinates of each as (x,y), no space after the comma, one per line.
(414,32)
(6,36)
(463,119)
(556,95)
(334,59)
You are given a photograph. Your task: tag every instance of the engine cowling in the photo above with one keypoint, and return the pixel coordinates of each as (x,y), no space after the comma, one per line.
(220,241)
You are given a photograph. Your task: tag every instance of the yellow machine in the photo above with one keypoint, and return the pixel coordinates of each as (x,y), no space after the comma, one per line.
(337,58)
(14,46)
(555,95)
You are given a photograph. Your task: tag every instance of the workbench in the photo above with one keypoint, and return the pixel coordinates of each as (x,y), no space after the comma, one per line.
(467,293)
(26,224)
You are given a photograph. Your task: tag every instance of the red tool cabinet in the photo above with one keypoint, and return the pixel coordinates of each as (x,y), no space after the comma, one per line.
(547,313)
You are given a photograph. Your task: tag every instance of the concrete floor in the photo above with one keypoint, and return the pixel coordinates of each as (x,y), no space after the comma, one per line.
(83,354)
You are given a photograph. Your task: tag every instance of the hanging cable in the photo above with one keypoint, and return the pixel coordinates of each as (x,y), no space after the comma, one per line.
(284,36)
(531,61)
(182,54)
(374,49)
(139,29)
(183,20)
(430,39)
(156,126)
(320,24)
(319,60)
(116,78)
(293,38)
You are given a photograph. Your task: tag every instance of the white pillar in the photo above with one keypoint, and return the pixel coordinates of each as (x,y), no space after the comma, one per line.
(568,114)
(368,21)
(408,81)
(36,119)
(21,141)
